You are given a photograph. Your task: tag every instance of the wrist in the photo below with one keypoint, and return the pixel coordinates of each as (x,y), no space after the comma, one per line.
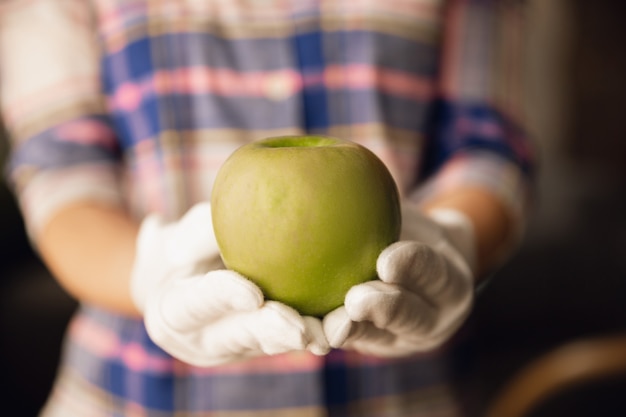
(459,229)
(496,232)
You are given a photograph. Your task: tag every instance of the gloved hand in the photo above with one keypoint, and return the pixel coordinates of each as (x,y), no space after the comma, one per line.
(424,294)
(209,318)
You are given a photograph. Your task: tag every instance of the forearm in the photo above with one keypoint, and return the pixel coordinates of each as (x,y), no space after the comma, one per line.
(493,225)
(90,249)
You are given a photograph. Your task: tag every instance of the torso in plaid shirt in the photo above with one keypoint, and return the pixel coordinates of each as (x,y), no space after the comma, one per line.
(138,102)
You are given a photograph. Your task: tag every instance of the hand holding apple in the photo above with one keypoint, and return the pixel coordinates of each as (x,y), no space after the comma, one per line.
(305,218)
(208,318)
(424,294)
(220,317)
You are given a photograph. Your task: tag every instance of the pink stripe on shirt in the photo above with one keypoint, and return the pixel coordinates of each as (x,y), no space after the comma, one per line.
(104,343)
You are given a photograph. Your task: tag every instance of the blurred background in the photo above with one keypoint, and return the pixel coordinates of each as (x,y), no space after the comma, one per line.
(567,282)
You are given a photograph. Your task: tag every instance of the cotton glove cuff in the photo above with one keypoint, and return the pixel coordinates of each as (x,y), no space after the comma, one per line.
(424,294)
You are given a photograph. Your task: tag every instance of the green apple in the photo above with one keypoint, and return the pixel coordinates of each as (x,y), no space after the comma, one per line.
(304,217)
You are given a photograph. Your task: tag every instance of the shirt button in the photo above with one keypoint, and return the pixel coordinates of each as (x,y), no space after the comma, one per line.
(278,87)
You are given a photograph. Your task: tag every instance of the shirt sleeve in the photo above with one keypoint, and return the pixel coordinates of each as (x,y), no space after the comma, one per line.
(478,136)
(63,147)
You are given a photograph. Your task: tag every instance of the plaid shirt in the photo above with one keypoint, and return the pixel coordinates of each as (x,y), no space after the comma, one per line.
(138,103)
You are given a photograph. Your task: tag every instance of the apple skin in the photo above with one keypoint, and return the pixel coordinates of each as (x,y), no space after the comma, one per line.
(304,217)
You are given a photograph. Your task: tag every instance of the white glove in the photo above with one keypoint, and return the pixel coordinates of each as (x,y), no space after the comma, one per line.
(209,318)
(424,294)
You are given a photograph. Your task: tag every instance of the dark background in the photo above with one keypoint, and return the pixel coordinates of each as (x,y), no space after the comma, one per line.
(566,283)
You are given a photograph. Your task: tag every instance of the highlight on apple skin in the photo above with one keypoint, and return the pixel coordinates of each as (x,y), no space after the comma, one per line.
(305,217)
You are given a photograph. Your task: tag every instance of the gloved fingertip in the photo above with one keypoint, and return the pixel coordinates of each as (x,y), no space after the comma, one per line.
(278,328)
(337,326)
(314,332)
(237,291)
(286,314)
(402,262)
(387,262)
(318,350)
(361,298)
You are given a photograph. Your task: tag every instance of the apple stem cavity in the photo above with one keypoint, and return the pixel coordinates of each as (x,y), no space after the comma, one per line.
(299,142)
